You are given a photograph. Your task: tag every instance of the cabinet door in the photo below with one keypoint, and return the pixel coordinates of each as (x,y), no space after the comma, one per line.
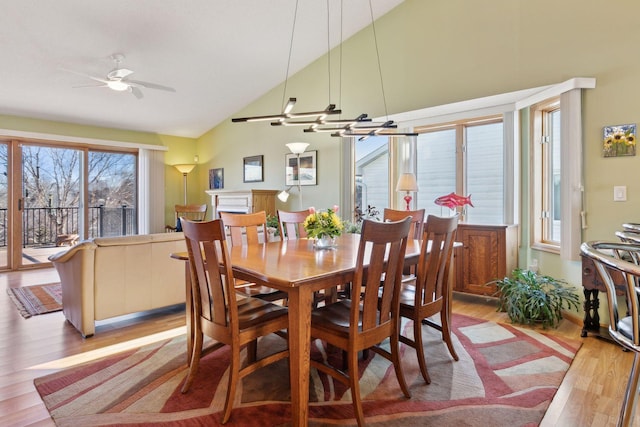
(481,259)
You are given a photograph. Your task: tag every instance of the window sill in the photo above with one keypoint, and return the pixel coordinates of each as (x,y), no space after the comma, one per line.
(546,247)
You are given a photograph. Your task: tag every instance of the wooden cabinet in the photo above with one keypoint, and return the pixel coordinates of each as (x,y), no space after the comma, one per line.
(488,252)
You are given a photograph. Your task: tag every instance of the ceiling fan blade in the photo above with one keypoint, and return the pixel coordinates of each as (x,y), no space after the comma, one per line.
(149,85)
(83,86)
(98,79)
(136,92)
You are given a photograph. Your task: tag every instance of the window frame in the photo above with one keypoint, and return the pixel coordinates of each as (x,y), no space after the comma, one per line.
(542,175)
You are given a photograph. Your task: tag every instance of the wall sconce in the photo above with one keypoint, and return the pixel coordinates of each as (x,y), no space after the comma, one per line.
(408,183)
(184,170)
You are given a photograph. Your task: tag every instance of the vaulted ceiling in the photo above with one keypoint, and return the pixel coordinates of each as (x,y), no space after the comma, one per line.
(218,55)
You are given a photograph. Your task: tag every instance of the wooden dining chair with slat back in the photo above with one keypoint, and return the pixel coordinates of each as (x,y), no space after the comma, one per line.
(415,232)
(250,229)
(290,224)
(430,291)
(357,325)
(221,316)
(190,212)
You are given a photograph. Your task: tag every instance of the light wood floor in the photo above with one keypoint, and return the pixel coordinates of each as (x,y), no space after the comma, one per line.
(590,394)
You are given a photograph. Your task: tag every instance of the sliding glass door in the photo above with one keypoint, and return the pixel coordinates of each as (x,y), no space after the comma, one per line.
(50,201)
(52,196)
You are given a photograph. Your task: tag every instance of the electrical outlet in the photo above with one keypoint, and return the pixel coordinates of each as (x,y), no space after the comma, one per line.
(620,193)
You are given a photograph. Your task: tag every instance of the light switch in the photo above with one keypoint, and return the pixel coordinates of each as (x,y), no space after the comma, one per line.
(620,193)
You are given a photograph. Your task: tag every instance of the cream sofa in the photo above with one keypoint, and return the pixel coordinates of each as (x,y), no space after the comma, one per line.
(112,276)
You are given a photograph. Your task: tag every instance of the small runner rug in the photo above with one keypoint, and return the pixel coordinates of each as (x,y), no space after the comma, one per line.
(506,376)
(37,299)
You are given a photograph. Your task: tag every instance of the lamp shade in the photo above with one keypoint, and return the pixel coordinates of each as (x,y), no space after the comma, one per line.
(184,169)
(297,147)
(407,182)
(283,196)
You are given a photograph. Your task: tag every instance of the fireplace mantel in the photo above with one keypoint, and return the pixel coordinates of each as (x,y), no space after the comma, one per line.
(243,201)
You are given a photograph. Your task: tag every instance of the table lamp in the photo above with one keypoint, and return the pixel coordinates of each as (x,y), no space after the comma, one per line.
(407,183)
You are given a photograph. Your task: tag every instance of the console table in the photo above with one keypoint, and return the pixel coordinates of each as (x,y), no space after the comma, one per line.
(593,285)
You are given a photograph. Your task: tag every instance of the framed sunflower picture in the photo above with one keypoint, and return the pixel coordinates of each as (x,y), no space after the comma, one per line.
(619,140)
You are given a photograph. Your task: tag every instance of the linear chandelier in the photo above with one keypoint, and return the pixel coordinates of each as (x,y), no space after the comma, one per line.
(361,126)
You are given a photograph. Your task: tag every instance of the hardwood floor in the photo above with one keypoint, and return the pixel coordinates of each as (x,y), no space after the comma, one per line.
(590,394)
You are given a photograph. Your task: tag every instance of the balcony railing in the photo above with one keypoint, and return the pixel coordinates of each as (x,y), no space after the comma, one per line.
(41,226)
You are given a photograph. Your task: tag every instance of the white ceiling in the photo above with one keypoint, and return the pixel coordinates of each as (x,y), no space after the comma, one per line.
(219,55)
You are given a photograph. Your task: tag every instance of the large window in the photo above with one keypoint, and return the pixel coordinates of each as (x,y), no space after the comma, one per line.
(372,174)
(466,158)
(546,148)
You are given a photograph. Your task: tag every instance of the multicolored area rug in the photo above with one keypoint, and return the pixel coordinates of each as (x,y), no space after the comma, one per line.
(506,376)
(37,299)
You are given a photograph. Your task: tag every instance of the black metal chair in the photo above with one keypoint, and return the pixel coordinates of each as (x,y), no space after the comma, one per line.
(610,257)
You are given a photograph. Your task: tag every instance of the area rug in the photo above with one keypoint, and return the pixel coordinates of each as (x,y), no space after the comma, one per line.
(37,299)
(506,376)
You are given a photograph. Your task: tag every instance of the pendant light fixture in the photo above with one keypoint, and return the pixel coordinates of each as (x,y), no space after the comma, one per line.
(361,126)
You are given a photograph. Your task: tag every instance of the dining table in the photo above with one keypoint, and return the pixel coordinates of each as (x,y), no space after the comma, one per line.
(300,269)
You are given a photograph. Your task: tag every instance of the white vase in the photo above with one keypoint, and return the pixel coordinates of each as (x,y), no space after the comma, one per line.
(325,242)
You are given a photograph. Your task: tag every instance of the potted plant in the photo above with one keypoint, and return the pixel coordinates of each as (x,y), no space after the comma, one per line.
(528,297)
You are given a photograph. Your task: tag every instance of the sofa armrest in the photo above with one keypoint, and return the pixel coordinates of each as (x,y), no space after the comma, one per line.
(75,266)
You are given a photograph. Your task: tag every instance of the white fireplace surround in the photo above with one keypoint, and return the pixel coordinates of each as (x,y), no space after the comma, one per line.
(235,201)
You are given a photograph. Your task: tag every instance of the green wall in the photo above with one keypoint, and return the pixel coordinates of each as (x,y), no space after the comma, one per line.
(435,52)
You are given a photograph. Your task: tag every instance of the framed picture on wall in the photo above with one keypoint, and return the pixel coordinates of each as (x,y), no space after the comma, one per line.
(252,169)
(305,172)
(216,178)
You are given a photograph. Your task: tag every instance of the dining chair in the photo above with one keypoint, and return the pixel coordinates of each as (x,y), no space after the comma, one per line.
(417,221)
(236,322)
(250,229)
(624,328)
(429,293)
(290,224)
(190,212)
(415,232)
(354,326)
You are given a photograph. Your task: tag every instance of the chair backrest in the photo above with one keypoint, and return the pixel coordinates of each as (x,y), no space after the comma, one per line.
(417,221)
(432,278)
(246,229)
(383,245)
(290,224)
(609,257)
(191,212)
(212,279)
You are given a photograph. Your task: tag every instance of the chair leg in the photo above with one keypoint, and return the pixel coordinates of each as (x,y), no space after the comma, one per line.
(446,334)
(195,361)
(397,365)
(419,346)
(631,395)
(234,375)
(354,380)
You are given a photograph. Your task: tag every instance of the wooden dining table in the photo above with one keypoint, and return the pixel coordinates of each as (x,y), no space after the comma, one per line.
(296,267)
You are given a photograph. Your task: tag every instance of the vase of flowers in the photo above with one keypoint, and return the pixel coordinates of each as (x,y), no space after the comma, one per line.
(323,226)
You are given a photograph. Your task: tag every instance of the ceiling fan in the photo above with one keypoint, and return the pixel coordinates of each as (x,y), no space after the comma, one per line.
(118,79)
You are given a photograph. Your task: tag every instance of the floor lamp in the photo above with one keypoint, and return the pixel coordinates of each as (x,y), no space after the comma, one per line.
(407,183)
(296,148)
(184,170)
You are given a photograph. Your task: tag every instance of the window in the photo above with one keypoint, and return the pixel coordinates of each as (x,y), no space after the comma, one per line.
(466,158)
(547,196)
(372,173)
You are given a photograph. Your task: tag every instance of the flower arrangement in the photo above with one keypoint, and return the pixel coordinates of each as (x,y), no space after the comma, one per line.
(323,224)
